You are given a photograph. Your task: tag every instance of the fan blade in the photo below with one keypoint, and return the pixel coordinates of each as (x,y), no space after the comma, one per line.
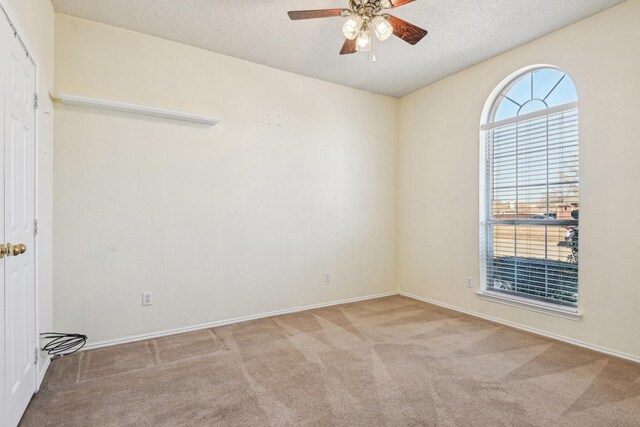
(407,32)
(348,47)
(398,3)
(312,14)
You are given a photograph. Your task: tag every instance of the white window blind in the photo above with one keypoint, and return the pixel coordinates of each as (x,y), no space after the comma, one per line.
(532,206)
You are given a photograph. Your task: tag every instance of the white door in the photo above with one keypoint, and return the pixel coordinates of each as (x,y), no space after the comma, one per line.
(17,192)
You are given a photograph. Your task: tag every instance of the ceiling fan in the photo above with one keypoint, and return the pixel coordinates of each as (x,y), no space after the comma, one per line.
(363,14)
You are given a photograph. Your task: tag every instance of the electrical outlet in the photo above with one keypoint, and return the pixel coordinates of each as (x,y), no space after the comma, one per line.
(327,277)
(147,298)
(469,282)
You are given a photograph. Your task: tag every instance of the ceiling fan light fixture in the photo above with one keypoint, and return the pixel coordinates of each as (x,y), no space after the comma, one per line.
(382,28)
(352,27)
(363,42)
(364,17)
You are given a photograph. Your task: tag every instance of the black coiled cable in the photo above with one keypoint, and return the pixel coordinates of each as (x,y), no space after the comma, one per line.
(63,344)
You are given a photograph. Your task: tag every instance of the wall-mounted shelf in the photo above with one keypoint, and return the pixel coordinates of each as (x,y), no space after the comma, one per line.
(144,110)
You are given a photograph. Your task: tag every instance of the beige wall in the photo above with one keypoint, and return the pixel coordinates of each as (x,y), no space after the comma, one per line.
(438,183)
(35,21)
(239,219)
(300,178)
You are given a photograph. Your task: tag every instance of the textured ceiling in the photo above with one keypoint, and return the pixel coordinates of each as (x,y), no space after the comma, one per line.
(461,33)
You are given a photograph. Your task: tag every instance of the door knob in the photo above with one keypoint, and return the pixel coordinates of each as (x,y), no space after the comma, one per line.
(12,250)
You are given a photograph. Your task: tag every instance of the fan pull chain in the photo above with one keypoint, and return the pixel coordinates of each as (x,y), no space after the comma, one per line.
(369,61)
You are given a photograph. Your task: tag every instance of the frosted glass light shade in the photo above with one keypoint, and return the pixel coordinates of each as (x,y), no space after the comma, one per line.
(352,27)
(382,28)
(363,42)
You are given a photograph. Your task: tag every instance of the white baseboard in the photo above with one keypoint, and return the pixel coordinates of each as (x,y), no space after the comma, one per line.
(43,371)
(218,323)
(527,329)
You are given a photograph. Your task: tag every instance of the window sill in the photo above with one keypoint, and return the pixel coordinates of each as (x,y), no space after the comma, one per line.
(550,309)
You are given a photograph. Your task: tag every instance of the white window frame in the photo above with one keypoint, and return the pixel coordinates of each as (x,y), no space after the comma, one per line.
(486,125)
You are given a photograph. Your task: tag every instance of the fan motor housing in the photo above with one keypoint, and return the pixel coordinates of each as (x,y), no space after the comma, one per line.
(367,8)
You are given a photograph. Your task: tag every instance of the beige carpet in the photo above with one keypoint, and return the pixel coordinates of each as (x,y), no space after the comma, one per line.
(386,362)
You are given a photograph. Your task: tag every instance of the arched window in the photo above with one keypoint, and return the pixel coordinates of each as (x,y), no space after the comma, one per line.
(530,190)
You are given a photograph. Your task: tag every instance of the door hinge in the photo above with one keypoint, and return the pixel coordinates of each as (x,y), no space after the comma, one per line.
(36,101)
(37,356)
(35,227)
